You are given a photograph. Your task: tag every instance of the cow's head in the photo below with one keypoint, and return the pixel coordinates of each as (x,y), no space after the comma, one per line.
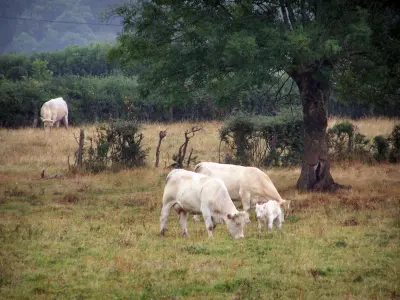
(47,123)
(285,204)
(235,223)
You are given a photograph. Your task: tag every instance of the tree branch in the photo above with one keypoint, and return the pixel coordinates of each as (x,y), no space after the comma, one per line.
(284,14)
(292,17)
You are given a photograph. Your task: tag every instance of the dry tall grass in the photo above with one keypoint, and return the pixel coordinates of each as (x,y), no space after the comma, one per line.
(96,236)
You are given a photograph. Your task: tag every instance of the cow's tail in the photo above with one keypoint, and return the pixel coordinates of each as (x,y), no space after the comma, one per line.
(198,167)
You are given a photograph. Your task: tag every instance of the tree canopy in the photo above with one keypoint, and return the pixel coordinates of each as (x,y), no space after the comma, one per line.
(350,48)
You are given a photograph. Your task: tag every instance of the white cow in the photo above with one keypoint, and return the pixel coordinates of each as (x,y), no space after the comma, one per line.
(53,111)
(189,192)
(248,184)
(267,213)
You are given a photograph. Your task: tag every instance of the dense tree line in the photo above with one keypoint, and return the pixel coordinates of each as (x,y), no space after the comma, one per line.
(97,88)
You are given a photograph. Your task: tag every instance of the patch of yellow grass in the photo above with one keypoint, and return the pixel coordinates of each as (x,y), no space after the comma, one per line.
(30,150)
(370,127)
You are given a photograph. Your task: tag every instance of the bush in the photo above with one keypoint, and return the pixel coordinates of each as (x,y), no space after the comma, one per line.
(381,148)
(394,140)
(115,146)
(261,140)
(345,142)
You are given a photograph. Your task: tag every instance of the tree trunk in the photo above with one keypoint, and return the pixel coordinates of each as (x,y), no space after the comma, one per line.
(314,94)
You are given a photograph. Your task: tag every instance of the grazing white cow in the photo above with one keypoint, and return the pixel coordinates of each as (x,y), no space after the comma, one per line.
(53,111)
(189,192)
(249,184)
(267,213)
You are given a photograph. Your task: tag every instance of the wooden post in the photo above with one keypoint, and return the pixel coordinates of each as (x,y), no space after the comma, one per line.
(79,154)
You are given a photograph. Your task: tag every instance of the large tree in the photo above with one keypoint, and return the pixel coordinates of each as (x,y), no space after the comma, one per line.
(226,47)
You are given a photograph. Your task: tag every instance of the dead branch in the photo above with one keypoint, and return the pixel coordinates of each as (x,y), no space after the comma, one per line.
(162,135)
(180,158)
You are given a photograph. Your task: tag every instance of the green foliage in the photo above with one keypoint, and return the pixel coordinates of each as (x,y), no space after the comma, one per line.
(235,46)
(341,139)
(40,72)
(345,142)
(261,140)
(16,73)
(117,145)
(72,60)
(381,148)
(394,140)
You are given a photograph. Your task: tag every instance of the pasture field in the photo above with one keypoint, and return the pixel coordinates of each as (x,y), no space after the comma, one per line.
(80,236)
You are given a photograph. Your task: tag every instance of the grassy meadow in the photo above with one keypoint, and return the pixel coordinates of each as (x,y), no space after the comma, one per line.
(80,236)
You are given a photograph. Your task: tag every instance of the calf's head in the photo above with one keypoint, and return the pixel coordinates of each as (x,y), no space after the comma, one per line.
(235,223)
(261,210)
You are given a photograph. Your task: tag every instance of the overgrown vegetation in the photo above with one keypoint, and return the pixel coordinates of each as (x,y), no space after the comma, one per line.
(277,141)
(264,141)
(117,145)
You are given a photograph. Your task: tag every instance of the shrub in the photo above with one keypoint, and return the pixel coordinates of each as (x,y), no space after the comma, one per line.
(394,140)
(117,145)
(345,142)
(381,148)
(262,140)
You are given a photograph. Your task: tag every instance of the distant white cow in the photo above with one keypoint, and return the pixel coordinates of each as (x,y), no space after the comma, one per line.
(248,184)
(267,213)
(53,111)
(189,192)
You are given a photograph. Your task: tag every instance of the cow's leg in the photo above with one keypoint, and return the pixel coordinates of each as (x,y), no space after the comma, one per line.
(260,221)
(183,219)
(208,221)
(57,124)
(279,221)
(246,199)
(66,122)
(164,216)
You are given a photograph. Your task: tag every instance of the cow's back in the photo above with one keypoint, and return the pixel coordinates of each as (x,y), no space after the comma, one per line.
(231,175)
(184,188)
(237,178)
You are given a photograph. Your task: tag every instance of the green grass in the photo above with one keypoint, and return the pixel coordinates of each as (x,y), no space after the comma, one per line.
(97,236)
(105,244)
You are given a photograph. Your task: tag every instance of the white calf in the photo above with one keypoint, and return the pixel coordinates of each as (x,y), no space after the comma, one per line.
(267,213)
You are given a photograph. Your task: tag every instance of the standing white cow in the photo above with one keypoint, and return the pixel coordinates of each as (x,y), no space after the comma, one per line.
(53,111)
(189,192)
(249,184)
